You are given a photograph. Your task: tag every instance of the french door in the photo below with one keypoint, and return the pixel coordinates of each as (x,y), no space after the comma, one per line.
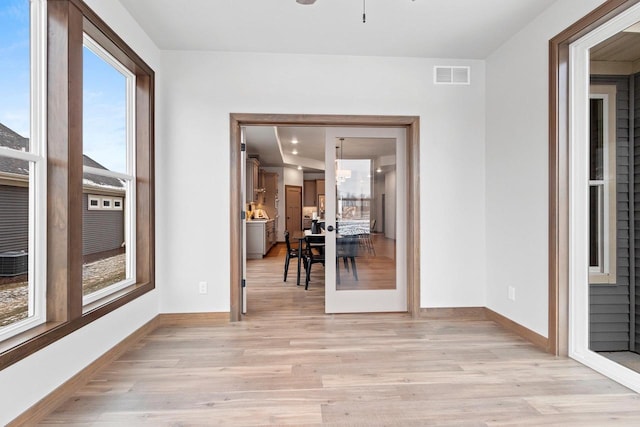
(365,220)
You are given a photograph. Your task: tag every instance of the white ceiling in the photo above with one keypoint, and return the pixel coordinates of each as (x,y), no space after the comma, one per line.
(274,147)
(466,29)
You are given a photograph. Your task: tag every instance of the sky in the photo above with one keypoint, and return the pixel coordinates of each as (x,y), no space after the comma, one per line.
(104,97)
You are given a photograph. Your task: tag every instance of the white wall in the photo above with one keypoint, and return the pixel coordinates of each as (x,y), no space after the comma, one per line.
(517,169)
(293,177)
(202,88)
(31,379)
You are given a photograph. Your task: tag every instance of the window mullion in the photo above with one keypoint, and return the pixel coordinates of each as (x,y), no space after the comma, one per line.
(64,172)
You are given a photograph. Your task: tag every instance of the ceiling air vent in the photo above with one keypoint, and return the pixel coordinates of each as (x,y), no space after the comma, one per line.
(451,75)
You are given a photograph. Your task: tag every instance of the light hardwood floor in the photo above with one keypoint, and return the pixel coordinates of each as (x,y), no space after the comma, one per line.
(289,364)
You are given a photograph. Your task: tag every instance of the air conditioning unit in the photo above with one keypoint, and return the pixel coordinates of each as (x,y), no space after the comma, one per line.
(13,263)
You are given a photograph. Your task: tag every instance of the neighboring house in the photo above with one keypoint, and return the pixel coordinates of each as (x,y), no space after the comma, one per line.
(102,204)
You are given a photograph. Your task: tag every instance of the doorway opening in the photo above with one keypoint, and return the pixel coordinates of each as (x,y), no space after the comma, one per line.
(593,283)
(410,163)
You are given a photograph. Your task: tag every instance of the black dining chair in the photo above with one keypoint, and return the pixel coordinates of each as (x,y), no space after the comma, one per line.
(347,249)
(291,253)
(312,256)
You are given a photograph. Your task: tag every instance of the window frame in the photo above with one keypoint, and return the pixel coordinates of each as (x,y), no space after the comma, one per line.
(606,273)
(61,98)
(36,156)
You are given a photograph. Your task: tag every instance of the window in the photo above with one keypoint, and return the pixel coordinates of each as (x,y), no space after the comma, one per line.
(94,202)
(109,164)
(22,169)
(602,185)
(70,164)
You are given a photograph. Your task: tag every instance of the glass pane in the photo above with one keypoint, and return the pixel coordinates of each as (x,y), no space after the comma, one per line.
(14,74)
(594,221)
(365,215)
(596,140)
(103,234)
(104,198)
(16,296)
(104,122)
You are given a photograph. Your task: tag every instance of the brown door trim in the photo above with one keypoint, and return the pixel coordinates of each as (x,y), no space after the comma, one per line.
(411,123)
(559,168)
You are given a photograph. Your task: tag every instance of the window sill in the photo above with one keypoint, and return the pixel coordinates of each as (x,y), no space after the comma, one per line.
(23,345)
(602,279)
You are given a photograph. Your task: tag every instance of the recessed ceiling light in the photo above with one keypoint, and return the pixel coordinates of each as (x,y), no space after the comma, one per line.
(294,152)
(299,168)
(294,141)
(379,169)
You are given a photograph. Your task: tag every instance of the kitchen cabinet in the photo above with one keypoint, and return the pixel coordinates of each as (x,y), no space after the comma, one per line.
(312,188)
(319,188)
(270,196)
(310,198)
(261,236)
(253,179)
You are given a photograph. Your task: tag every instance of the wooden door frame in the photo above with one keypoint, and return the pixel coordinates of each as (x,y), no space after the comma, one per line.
(286,204)
(412,169)
(558,342)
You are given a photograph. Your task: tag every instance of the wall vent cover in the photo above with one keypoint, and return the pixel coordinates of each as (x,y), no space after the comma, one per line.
(451,75)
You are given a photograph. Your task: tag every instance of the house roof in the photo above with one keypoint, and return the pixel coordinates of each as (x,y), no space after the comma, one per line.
(11,139)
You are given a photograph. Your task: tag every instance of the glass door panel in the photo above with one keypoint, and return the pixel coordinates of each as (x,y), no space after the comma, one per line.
(365,220)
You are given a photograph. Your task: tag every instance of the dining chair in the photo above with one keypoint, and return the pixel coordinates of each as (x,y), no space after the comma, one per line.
(291,253)
(312,257)
(347,249)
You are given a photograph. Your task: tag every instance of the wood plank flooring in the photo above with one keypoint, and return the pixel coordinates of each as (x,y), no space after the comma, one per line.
(290,364)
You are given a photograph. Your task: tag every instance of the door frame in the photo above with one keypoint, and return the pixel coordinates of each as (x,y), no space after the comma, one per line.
(286,204)
(412,169)
(559,167)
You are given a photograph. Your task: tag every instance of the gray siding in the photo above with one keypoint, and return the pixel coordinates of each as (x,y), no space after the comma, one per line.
(102,230)
(609,307)
(14,218)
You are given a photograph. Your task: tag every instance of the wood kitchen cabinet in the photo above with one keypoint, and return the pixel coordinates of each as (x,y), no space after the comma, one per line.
(309,198)
(253,179)
(270,196)
(261,236)
(312,188)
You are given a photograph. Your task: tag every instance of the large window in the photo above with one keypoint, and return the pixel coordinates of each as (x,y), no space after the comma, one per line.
(22,168)
(602,185)
(108,142)
(76,173)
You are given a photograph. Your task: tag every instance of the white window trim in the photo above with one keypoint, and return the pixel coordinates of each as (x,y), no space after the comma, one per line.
(129,177)
(91,198)
(605,272)
(37,174)
(115,200)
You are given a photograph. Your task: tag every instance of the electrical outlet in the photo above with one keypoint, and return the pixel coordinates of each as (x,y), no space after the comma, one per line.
(512,293)
(202,287)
